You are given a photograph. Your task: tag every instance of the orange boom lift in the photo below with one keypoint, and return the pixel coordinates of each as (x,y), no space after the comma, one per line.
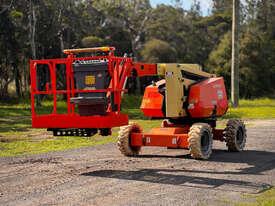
(187,98)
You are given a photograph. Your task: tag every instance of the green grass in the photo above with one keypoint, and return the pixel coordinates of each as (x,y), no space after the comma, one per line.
(23,147)
(253,109)
(130,106)
(15,143)
(266,198)
(18,138)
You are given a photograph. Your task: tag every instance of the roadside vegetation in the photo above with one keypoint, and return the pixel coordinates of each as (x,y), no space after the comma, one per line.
(18,138)
(266,198)
(253,109)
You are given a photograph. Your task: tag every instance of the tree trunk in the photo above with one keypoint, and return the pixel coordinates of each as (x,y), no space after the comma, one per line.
(32,27)
(60,32)
(17,80)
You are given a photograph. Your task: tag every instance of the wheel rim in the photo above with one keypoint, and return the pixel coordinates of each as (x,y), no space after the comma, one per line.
(240,136)
(205,142)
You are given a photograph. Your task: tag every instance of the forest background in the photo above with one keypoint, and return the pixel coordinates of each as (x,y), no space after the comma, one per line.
(38,29)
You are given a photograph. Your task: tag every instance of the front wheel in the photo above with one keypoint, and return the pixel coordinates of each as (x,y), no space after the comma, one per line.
(235,135)
(124,143)
(200,139)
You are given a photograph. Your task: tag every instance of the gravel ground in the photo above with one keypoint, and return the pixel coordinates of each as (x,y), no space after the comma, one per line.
(102,176)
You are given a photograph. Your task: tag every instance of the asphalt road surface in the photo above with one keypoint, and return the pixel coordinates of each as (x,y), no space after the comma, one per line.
(102,176)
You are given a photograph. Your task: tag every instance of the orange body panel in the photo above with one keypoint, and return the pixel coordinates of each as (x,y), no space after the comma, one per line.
(152,102)
(208,98)
(173,137)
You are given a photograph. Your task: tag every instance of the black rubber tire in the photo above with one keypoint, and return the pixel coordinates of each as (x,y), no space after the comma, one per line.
(200,139)
(235,135)
(124,139)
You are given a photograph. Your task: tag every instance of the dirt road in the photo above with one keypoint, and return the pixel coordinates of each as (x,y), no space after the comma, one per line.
(101,176)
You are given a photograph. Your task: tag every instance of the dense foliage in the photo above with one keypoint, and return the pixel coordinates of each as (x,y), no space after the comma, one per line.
(166,33)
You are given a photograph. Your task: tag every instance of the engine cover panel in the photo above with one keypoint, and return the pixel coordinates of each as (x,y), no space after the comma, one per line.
(207,99)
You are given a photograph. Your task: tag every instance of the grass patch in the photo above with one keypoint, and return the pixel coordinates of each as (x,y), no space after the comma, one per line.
(14,146)
(18,138)
(14,118)
(57,144)
(266,198)
(253,109)
(130,106)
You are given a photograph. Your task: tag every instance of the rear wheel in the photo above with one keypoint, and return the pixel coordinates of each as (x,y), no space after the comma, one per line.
(235,135)
(200,139)
(124,143)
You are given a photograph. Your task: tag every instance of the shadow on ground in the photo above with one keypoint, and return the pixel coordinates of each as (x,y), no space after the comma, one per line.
(258,161)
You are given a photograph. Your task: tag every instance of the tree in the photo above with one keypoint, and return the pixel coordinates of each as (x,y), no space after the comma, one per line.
(257,71)
(265,16)
(157,51)
(11,45)
(222,6)
(168,24)
(250,10)
(92,41)
(168,33)
(132,17)
(257,63)
(219,61)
